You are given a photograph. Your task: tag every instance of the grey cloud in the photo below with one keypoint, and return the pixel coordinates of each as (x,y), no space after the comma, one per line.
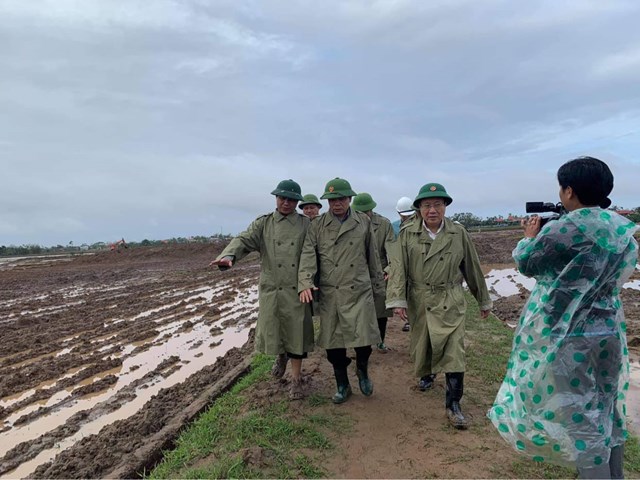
(164,118)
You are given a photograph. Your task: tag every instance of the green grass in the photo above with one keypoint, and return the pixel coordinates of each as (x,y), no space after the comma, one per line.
(230,428)
(632,458)
(490,346)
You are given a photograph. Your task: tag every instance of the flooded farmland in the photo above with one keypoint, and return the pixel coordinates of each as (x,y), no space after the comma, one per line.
(100,352)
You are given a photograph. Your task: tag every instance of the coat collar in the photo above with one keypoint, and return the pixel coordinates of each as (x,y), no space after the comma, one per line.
(442,241)
(291,218)
(350,223)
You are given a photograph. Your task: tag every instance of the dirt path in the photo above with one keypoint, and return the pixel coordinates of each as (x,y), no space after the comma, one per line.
(400,432)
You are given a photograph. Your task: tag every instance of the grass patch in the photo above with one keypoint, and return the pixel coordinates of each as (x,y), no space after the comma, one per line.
(490,346)
(234,440)
(632,457)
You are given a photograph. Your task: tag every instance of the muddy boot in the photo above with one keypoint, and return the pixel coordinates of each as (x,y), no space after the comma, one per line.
(365,383)
(280,365)
(455,382)
(342,381)
(296,391)
(426,382)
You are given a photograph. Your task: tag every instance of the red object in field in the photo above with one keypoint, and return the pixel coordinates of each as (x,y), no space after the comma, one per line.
(116,246)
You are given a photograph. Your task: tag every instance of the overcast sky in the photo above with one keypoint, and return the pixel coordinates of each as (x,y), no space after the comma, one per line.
(157,119)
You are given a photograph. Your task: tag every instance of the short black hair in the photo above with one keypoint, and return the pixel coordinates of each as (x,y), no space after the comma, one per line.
(590,179)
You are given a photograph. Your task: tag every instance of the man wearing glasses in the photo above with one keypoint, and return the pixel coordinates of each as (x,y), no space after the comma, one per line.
(284,326)
(432,259)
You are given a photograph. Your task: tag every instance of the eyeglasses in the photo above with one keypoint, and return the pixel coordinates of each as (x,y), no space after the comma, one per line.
(434,205)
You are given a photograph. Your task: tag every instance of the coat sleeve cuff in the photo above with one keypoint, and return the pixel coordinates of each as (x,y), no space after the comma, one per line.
(302,286)
(397,304)
(486,306)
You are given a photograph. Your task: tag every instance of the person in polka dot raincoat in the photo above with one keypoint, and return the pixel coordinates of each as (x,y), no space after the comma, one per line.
(562,400)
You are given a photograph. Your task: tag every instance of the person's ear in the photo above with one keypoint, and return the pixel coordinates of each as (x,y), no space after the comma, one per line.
(569,192)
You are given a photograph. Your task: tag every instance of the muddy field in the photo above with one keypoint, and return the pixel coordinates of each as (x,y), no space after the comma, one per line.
(89,340)
(104,355)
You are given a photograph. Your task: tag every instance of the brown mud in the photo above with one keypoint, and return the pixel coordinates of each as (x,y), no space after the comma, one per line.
(77,337)
(76,340)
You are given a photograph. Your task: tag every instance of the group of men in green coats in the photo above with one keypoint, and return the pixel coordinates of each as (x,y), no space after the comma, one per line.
(347,269)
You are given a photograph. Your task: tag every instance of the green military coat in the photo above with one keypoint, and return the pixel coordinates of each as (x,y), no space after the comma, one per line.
(426,278)
(383,231)
(284,324)
(350,275)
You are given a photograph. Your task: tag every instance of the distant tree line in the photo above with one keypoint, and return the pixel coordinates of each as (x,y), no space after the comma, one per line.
(33,249)
(469,220)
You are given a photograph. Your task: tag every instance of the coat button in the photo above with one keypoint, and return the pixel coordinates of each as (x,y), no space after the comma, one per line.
(293,288)
(429,309)
(293,264)
(352,265)
(291,243)
(441,258)
(337,287)
(279,265)
(352,287)
(279,288)
(445,307)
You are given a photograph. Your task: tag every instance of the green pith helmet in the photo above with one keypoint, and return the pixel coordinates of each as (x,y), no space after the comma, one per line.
(432,190)
(363,202)
(288,189)
(337,188)
(309,199)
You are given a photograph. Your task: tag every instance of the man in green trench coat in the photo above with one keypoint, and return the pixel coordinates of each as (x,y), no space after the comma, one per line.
(341,244)
(383,231)
(434,255)
(310,206)
(284,326)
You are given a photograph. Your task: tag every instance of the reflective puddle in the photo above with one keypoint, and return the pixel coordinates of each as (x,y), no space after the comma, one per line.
(193,342)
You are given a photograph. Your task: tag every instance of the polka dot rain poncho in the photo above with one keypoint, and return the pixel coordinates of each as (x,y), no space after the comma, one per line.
(562,400)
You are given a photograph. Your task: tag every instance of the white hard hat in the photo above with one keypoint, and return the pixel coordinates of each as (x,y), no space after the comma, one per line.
(405,207)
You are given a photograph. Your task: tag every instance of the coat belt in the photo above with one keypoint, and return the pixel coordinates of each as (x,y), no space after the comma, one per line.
(424,287)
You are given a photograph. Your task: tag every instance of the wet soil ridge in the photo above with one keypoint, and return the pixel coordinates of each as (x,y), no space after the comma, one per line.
(90,340)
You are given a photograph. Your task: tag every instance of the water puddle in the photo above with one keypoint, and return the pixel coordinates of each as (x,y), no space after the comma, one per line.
(193,343)
(506,282)
(633,284)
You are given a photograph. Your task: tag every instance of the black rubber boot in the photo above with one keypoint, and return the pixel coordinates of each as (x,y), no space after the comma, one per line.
(342,381)
(426,382)
(365,383)
(455,389)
